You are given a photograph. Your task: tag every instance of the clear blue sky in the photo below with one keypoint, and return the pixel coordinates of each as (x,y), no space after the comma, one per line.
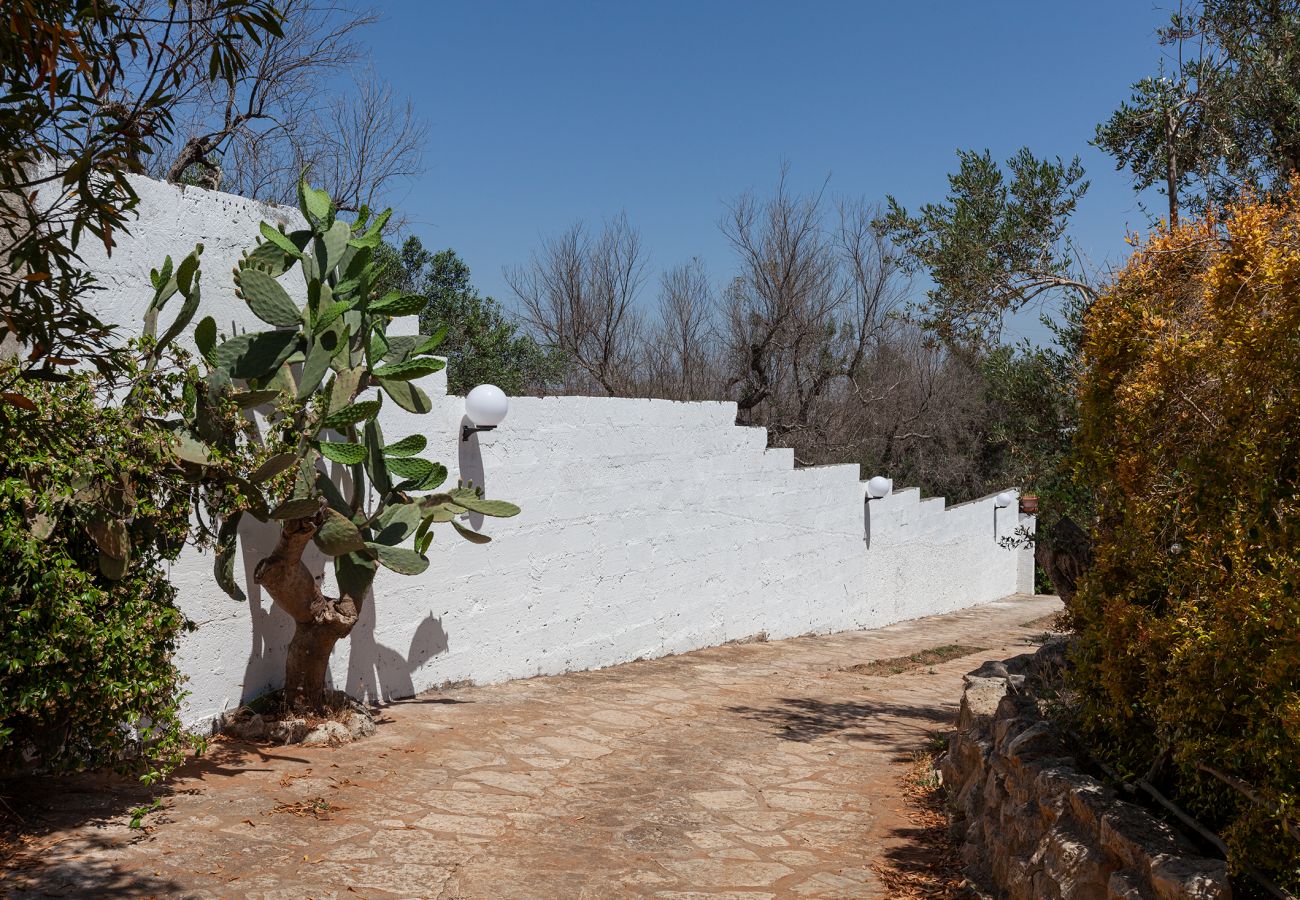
(544,113)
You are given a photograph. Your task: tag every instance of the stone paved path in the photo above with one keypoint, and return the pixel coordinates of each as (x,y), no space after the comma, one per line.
(744,771)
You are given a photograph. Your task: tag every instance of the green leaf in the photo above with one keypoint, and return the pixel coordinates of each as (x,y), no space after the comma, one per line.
(354,574)
(274,466)
(257,503)
(420,475)
(433,479)
(407,446)
(305,478)
(249,399)
(111,537)
(433,342)
(397,522)
(377,349)
(374,234)
(351,414)
(473,537)
(282,381)
(188,309)
(400,347)
(189,450)
(335,242)
(319,294)
(337,535)
(409,369)
(112,568)
(268,258)
(376,465)
(444,512)
(342,452)
(160,279)
(366,241)
(330,491)
(406,395)
(224,565)
(297,508)
(411,467)
(395,303)
(319,354)
(205,336)
(316,206)
(344,387)
(332,312)
(471,501)
(280,240)
(186,271)
(268,299)
(399,559)
(256,355)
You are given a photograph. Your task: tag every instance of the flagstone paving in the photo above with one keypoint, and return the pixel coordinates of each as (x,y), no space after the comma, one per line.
(744,771)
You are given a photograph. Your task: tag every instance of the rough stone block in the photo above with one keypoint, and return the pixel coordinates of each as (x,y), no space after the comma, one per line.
(1033,826)
(327,734)
(1174,878)
(1125,886)
(287,731)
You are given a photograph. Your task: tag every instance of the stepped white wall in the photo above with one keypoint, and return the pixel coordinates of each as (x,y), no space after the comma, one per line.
(648,527)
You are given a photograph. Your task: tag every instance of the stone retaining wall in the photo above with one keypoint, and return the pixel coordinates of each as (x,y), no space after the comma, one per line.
(1033,826)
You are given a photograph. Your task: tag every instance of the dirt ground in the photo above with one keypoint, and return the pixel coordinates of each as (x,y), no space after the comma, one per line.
(753,770)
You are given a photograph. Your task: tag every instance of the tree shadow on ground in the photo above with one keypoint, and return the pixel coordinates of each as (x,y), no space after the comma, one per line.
(79,873)
(36,804)
(227,757)
(56,829)
(39,858)
(805,719)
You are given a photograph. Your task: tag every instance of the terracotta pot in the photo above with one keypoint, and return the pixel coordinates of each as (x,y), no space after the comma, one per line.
(1029,504)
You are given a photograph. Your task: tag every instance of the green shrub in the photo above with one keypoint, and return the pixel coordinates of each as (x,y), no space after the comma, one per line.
(86,639)
(1189,620)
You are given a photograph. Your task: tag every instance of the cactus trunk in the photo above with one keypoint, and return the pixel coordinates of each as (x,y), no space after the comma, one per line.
(320,621)
(307,662)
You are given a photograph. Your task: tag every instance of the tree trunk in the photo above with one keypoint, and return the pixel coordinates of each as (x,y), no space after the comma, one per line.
(1065,554)
(195,150)
(320,621)
(307,662)
(1171,168)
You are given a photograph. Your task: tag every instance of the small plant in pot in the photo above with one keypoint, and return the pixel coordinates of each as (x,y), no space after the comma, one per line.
(273,409)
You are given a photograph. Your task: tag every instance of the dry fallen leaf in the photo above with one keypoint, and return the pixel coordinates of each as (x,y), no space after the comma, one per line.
(937,875)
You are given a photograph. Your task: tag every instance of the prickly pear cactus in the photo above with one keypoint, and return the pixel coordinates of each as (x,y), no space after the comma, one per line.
(325,369)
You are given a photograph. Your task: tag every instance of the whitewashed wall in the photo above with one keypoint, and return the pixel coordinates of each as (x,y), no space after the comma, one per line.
(649,527)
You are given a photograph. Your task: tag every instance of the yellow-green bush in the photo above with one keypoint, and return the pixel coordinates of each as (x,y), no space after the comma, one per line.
(1189,621)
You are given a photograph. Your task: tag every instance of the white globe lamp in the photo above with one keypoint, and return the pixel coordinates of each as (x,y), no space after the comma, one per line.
(486,406)
(879,487)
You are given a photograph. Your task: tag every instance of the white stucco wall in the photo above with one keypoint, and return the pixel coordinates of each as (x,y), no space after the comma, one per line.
(648,527)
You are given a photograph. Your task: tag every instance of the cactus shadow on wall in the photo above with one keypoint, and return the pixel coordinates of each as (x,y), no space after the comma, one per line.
(375,672)
(271,628)
(471,465)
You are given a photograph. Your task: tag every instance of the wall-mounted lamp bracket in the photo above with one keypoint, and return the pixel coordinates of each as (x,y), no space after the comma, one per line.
(467,430)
